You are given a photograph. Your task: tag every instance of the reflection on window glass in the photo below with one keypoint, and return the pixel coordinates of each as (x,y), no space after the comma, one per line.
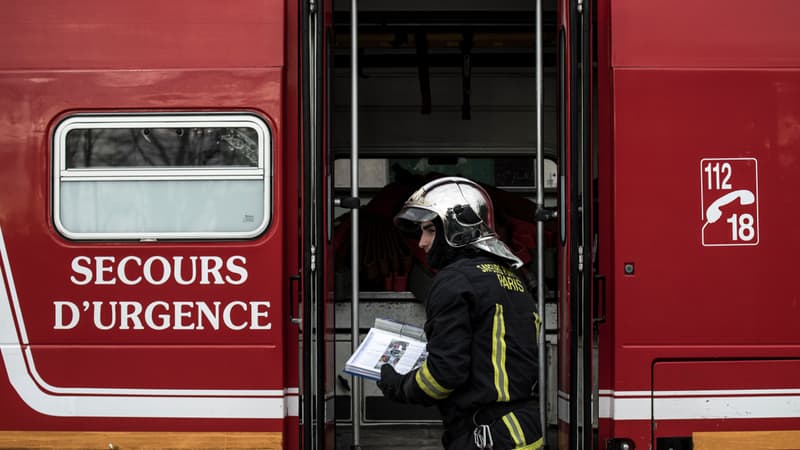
(513,172)
(162,147)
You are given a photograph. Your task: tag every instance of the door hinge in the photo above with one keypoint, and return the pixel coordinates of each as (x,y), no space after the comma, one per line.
(580,258)
(580,6)
(313,264)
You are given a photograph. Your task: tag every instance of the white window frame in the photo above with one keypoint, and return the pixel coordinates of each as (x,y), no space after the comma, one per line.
(263,171)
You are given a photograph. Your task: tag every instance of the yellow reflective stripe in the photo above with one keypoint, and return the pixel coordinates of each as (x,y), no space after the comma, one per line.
(514,429)
(429,385)
(535,446)
(538,322)
(499,355)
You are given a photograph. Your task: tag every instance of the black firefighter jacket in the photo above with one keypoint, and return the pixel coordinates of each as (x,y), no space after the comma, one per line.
(482,331)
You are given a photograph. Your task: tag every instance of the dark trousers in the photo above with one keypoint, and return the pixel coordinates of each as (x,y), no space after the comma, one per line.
(511,425)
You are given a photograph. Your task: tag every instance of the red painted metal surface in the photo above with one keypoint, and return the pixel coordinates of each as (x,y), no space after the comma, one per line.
(702,297)
(713,33)
(734,395)
(694,81)
(60,58)
(148,34)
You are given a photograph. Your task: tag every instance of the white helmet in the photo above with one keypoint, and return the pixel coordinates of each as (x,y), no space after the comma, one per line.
(465,210)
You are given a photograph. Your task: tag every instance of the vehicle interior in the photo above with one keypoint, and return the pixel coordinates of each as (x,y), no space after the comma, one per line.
(443,88)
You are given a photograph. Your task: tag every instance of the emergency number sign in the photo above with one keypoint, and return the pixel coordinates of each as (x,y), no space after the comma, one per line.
(729,200)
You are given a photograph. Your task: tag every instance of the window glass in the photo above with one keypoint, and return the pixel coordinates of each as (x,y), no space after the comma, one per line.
(162,177)
(162,147)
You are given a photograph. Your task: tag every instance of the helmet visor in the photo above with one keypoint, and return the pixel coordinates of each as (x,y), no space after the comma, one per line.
(409,218)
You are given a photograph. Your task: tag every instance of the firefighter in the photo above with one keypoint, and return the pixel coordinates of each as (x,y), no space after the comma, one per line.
(482,327)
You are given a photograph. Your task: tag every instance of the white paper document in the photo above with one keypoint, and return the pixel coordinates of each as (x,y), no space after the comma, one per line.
(404,348)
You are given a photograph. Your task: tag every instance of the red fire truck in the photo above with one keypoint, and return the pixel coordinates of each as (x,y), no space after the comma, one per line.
(196,202)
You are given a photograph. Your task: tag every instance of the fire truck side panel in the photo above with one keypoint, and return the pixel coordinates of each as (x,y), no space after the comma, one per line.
(686,299)
(712,33)
(757,390)
(701,262)
(210,356)
(94,34)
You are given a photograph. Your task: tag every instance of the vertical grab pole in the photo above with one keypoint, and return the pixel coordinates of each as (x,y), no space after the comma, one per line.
(355,395)
(540,226)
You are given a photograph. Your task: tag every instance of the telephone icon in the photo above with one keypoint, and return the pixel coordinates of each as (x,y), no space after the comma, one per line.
(714,211)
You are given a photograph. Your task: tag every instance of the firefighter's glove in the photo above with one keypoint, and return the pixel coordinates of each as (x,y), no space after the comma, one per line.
(391,384)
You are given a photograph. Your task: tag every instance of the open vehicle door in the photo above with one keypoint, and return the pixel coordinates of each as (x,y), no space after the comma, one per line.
(576,274)
(316,320)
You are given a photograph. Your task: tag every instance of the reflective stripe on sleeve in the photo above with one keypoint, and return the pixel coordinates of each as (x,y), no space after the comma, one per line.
(429,385)
(499,355)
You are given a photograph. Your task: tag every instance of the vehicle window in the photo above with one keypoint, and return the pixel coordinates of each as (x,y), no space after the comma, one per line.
(162,177)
